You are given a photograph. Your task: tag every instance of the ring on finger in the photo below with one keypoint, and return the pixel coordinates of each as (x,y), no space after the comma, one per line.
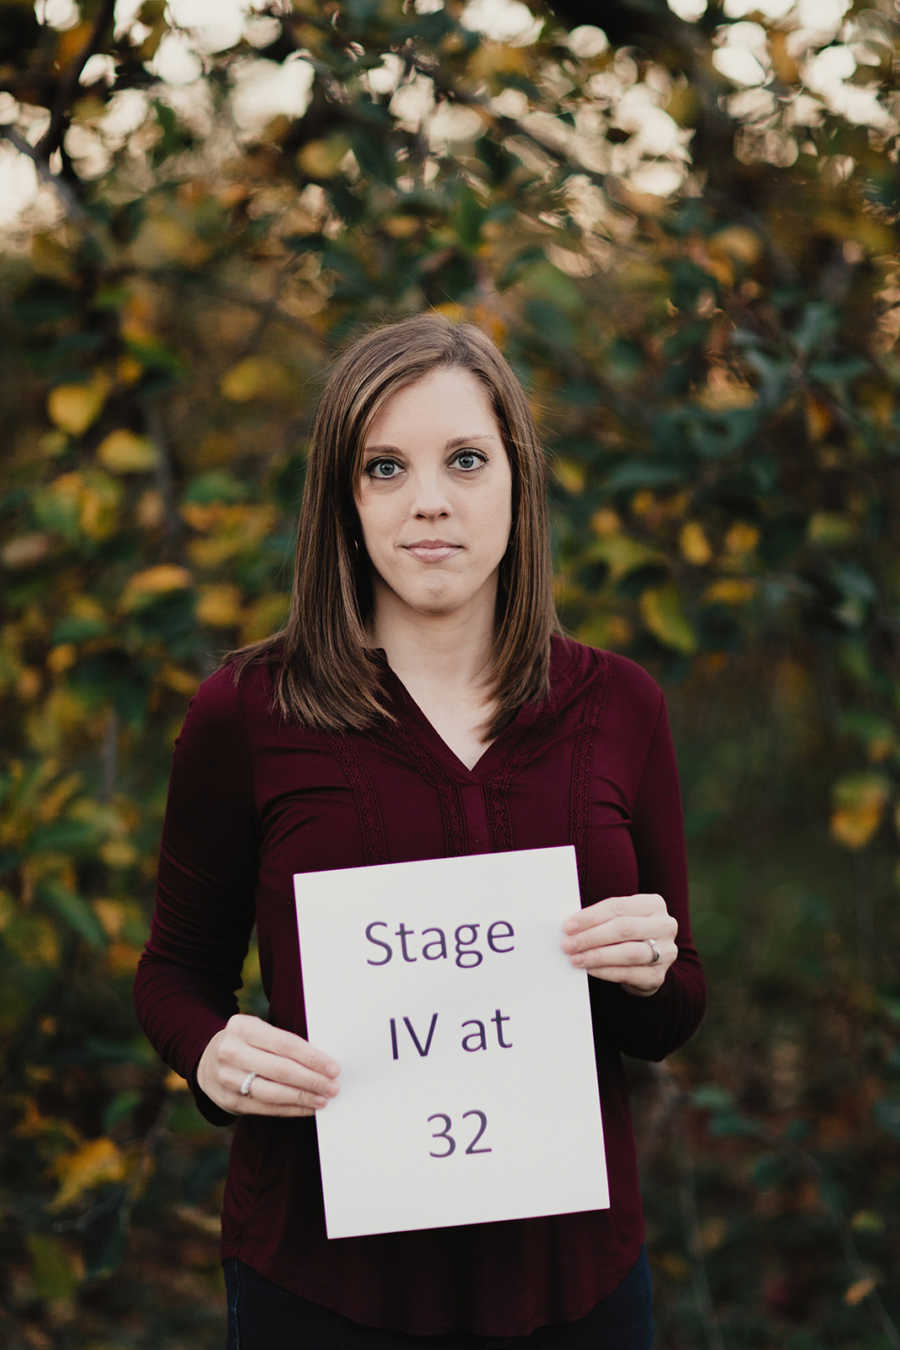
(654,951)
(248,1083)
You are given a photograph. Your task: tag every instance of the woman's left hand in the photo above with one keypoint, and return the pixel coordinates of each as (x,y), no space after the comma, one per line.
(627,939)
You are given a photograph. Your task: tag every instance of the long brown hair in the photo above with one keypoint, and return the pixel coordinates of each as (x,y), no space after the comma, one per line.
(324,672)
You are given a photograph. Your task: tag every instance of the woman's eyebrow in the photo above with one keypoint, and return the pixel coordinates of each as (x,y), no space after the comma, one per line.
(452,444)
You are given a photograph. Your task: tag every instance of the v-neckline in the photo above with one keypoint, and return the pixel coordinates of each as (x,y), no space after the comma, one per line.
(440,749)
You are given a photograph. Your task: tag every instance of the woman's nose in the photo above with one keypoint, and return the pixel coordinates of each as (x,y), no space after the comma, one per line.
(430,499)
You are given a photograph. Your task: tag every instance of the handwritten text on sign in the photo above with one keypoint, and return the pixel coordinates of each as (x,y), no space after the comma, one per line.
(468,1087)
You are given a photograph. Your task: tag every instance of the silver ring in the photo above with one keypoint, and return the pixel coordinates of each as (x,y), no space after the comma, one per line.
(248,1081)
(654,949)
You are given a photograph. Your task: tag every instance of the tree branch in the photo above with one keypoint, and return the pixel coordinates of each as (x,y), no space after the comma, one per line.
(52,137)
(68,198)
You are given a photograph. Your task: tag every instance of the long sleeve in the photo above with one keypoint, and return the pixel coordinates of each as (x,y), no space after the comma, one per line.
(188,975)
(651,1028)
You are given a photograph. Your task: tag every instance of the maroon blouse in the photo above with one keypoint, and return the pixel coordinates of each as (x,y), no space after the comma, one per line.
(253,800)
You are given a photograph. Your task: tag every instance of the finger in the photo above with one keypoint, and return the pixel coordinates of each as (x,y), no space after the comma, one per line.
(636,928)
(239,1058)
(626,955)
(614,907)
(249,1106)
(288,1072)
(263,1092)
(254,1031)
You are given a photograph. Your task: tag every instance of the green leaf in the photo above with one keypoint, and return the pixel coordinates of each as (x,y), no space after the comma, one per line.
(218,485)
(711,1097)
(53,1270)
(887,1115)
(75,911)
(662,612)
(75,628)
(641,472)
(771,1169)
(65,836)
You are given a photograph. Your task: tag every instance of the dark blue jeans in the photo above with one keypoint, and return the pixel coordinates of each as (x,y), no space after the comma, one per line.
(261,1316)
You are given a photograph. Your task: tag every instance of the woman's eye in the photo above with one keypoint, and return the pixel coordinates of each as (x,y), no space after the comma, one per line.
(468,459)
(383,468)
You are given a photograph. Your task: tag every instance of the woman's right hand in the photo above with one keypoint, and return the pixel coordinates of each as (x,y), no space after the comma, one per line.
(291,1077)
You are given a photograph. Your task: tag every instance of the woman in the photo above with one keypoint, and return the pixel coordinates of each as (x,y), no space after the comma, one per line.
(420,703)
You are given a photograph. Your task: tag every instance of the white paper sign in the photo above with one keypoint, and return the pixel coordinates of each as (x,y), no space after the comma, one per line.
(468,1086)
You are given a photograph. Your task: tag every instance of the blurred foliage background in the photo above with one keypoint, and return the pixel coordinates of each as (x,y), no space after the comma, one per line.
(680,226)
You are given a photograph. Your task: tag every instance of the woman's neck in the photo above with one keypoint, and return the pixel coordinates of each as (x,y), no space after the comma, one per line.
(451,652)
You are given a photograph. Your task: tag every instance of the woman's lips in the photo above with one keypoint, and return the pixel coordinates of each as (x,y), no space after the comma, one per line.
(432,550)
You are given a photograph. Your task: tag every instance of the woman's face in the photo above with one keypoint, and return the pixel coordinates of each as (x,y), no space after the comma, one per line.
(434,498)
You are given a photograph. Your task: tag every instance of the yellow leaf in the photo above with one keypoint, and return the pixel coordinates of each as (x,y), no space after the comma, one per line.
(238,530)
(859,802)
(86,607)
(859,1290)
(164,240)
(195,1217)
(741,538)
(730,591)
(111,916)
(722,395)
(61,658)
(182,681)
(124,452)
(683,105)
(219,606)
(118,853)
(831,528)
(738,242)
(323,158)
(498,58)
(663,614)
(493,323)
(266,616)
(203,516)
(569,475)
(122,958)
(50,257)
(53,443)
(401,226)
(605,522)
(128,370)
(256,377)
(28,684)
(98,505)
(695,546)
(71,42)
(453,310)
(150,511)
(93,1163)
(73,407)
(155,581)
(26,551)
(818,417)
(606,630)
(622,554)
(786,67)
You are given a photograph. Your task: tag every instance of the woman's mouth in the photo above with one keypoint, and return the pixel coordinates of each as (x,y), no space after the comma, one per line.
(432,550)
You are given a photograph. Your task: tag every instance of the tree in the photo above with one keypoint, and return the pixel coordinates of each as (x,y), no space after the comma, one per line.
(683,235)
